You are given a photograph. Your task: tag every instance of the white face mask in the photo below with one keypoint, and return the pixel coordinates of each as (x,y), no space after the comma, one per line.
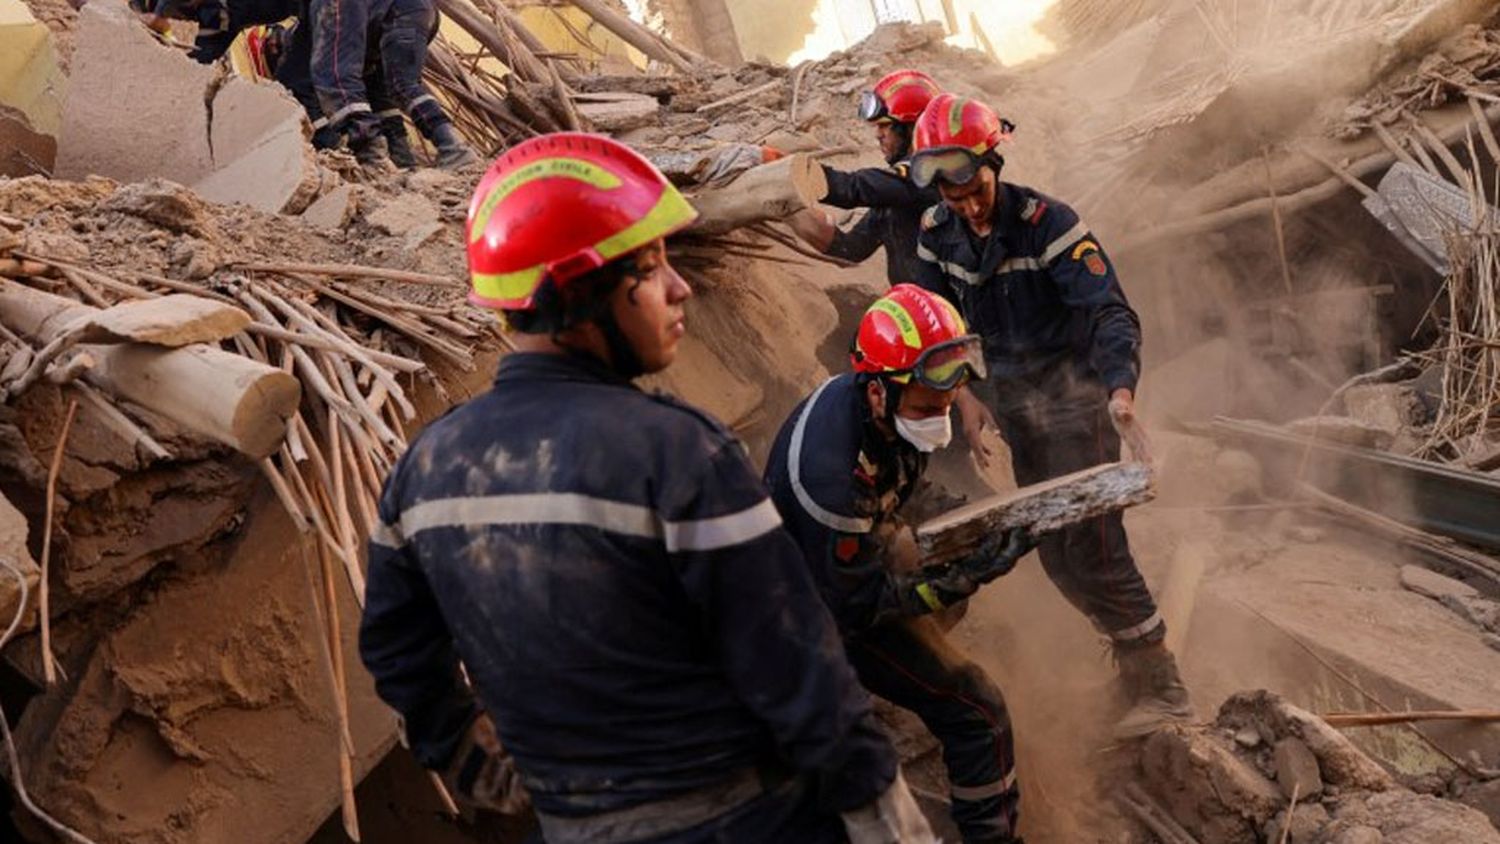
(927,435)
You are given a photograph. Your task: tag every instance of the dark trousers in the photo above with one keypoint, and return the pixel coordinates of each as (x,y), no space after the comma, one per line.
(340,40)
(404,35)
(913,665)
(1090,562)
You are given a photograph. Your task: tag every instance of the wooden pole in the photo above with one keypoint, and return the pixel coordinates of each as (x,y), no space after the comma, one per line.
(48,671)
(632,33)
(1380,719)
(768,192)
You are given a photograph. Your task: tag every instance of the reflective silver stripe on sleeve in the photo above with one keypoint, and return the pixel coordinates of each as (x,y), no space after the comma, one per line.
(986,791)
(794,471)
(1132,633)
(957,271)
(555,508)
(385,536)
(722,531)
(1017,265)
(388,112)
(424,98)
(1061,244)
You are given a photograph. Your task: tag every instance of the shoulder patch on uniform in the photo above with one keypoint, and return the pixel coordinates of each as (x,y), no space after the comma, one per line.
(1034,210)
(1093,259)
(934,216)
(902,169)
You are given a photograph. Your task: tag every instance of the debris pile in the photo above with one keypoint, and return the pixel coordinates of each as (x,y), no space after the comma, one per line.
(1266,770)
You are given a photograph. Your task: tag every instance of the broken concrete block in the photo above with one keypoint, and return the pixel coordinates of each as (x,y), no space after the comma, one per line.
(1433,585)
(13,549)
(1356,834)
(1480,612)
(1306,825)
(163,203)
(419,236)
(1340,762)
(1386,407)
(137,109)
(133,110)
(1485,797)
(1206,788)
(332,210)
(1343,429)
(31,87)
(403,213)
(1297,769)
(259,153)
(618,111)
(23,150)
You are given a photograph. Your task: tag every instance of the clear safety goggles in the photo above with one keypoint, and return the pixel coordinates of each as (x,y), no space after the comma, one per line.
(954,165)
(949,364)
(872,107)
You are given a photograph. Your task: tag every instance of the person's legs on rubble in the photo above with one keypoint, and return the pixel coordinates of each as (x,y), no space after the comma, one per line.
(911,664)
(340,31)
(1090,562)
(403,51)
(392,121)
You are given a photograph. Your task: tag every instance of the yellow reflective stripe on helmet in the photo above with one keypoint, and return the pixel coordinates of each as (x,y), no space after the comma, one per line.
(956,116)
(958,318)
(671,212)
(507,287)
(565,168)
(903,320)
(929,597)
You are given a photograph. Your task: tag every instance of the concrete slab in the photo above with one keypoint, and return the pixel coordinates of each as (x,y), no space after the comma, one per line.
(139,110)
(31,81)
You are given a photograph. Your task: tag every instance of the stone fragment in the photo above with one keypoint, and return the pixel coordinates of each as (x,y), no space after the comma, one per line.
(1297,769)
(1435,586)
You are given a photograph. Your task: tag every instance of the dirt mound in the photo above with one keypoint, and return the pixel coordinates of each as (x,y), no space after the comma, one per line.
(1265,767)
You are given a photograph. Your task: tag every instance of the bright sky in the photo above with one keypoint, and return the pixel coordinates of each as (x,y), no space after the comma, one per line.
(1009,24)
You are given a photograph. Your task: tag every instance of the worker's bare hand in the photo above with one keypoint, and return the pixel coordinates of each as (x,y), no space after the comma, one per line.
(1123,416)
(974,417)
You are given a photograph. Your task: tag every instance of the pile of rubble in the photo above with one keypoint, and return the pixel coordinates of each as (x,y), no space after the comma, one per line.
(1266,770)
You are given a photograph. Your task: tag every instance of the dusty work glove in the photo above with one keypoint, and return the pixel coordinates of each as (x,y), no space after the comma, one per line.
(482,775)
(892,818)
(997,555)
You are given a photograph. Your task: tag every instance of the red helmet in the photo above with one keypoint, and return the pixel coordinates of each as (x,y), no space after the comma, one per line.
(952,137)
(913,333)
(559,206)
(898,97)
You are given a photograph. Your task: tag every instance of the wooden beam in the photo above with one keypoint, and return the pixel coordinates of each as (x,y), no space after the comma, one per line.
(221,396)
(1043,508)
(633,34)
(769,192)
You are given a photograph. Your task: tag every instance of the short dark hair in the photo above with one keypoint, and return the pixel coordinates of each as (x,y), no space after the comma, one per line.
(555,309)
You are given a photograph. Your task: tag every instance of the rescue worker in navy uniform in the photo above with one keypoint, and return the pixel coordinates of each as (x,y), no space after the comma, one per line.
(1063,349)
(895,204)
(341,32)
(849,457)
(639,629)
(893,220)
(288,54)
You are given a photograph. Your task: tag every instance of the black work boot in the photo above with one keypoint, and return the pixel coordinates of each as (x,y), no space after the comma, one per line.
(452,152)
(397,142)
(1157,695)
